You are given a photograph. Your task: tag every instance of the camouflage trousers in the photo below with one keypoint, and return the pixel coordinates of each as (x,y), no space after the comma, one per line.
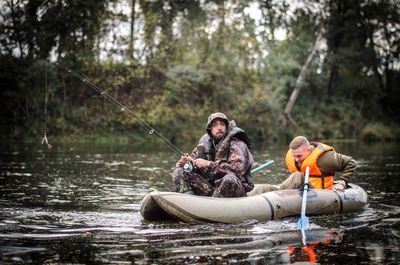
(228,186)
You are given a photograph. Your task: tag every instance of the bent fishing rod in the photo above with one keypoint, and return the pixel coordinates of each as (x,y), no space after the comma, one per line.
(121,107)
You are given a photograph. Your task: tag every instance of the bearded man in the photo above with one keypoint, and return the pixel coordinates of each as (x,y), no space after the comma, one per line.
(221,162)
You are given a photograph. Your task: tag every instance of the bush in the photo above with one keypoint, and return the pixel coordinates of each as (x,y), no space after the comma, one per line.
(376,131)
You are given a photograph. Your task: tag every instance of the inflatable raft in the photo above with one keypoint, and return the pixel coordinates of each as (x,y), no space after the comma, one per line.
(158,206)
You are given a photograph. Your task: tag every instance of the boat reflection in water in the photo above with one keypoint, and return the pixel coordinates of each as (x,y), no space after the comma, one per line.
(254,247)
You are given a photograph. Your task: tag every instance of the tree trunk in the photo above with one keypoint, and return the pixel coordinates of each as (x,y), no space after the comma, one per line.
(332,79)
(132,33)
(286,116)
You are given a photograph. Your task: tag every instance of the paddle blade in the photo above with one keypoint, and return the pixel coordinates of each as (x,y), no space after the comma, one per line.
(303,223)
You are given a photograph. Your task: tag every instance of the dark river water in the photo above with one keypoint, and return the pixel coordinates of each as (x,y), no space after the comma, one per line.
(79,204)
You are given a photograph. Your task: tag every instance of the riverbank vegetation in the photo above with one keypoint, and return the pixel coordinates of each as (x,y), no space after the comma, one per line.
(174,62)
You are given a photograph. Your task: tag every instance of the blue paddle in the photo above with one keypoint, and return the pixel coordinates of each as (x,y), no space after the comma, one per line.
(269,163)
(303,221)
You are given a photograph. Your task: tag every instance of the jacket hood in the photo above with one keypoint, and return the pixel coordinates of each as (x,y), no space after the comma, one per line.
(213,116)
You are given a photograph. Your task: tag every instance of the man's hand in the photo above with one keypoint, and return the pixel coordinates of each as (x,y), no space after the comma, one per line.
(201,163)
(340,185)
(184,159)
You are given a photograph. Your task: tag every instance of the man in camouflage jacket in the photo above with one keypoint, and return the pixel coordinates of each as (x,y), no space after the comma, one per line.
(221,162)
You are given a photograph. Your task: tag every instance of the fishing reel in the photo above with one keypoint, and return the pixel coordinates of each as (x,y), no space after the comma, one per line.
(188,167)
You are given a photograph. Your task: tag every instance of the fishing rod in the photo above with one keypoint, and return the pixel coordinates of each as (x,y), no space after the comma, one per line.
(121,107)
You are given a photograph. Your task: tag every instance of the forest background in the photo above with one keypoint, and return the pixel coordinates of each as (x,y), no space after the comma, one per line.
(174,62)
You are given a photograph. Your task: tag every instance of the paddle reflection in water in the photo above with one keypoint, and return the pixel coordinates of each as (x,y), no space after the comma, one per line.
(82,206)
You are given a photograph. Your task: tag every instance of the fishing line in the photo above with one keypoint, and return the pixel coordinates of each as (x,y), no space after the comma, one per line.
(46,99)
(121,107)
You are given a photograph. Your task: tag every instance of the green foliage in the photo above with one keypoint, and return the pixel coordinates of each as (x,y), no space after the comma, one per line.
(357,33)
(338,120)
(377,131)
(257,112)
(186,59)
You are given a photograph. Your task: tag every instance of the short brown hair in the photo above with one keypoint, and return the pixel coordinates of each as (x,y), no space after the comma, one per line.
(299,141)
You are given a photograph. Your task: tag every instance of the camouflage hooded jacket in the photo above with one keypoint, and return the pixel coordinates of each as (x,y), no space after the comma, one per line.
(230,156)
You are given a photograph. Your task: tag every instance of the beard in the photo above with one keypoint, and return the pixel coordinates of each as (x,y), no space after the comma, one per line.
(218,136)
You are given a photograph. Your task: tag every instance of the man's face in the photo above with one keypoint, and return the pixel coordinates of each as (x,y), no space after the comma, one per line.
(218,129)
(301,153)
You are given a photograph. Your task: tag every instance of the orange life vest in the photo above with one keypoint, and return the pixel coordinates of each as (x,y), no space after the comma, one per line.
(309,249)
(317,179)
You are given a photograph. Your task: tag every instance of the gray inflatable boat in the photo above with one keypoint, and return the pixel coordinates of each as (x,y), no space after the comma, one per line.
(158,206)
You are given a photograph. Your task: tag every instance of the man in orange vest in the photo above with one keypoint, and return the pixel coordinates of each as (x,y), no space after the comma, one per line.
(323,162)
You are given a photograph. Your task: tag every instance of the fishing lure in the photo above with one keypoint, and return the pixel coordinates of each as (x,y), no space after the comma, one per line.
(45,141)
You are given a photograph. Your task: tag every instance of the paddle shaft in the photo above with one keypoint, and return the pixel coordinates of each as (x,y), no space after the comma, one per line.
(303,222)
(305,190)
(269,163)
